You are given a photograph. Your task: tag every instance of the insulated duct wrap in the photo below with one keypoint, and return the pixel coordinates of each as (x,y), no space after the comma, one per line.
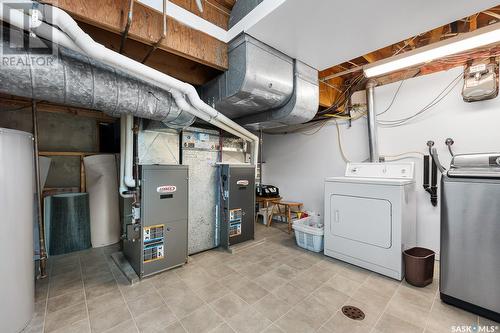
(101,175)
(73,79)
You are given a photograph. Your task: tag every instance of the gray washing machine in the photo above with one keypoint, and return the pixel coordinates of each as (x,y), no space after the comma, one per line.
(470,234)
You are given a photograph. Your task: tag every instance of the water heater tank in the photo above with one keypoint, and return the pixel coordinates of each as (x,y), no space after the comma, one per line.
(17,300)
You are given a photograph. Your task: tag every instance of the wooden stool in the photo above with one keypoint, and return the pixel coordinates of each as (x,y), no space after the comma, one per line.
(268,204)
(288,207)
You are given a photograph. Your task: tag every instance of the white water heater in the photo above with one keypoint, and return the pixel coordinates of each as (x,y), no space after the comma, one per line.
(17,283)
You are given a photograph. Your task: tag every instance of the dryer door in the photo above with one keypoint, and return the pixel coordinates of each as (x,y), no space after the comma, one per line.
(360,219)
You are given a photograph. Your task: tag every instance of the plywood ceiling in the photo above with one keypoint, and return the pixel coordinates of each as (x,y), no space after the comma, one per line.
(324,33)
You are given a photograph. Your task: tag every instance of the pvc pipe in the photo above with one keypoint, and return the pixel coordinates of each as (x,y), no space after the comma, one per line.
(178,88)
(74,38)
(123,187)
(44,30)
(128,179)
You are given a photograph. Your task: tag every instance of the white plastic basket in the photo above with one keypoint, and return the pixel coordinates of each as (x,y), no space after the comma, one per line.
(309,235)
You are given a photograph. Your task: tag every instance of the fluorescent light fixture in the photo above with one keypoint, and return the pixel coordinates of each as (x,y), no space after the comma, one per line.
(468,41)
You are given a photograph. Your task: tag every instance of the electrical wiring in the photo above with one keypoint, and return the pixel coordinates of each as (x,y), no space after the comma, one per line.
(393,98)
(405,153)
(317,130)
(338,116)
(434,102)
(339,142)
(343,97)
(332,86)
(402,156)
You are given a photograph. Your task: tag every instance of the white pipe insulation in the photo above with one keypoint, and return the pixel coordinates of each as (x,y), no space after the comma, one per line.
(178,88)
(73,37)
(123,152)
(128,178)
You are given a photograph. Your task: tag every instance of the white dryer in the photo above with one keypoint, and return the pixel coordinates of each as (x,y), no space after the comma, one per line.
(370,216)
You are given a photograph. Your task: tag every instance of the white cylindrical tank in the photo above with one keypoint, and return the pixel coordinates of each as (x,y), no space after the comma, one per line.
(17,283)
(102,182)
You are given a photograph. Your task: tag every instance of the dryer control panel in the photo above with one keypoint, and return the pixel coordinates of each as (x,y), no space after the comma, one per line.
(381,170)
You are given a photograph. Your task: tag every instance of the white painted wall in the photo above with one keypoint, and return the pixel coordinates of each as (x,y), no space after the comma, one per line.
(298,164)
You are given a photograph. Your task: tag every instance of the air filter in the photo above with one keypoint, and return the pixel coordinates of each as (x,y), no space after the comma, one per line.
(69,223)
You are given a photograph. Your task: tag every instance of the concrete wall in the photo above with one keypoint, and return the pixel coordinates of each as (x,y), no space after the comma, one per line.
(57,132)
(299,163)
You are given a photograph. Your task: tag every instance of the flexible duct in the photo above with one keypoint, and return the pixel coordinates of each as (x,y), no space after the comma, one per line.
(73,79)
(179,90)
(73,37)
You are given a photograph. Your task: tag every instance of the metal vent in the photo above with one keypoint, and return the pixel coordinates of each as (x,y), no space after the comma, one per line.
(353,312)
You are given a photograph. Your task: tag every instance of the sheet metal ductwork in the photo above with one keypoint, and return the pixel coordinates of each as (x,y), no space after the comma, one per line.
(301,107)
(263,88)
(258,78)
(73,79)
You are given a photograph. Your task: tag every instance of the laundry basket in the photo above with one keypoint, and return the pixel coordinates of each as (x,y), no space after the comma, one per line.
(309,235)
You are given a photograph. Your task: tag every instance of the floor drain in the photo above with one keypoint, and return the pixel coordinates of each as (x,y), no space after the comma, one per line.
(353,312)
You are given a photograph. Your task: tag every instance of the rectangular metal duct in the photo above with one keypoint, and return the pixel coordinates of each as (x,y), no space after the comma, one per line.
(263,88)
(259,78)
(300,108)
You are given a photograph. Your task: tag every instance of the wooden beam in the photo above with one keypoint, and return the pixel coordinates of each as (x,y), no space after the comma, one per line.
(14,102)
(436,35)
(227,4)
(67,153)
(213,11)
(492,14)
(179,67)
(373,56)
(147,28)
(329,91)
(473,23)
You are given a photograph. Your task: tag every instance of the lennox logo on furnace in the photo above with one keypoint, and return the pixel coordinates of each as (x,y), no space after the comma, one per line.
(166,189)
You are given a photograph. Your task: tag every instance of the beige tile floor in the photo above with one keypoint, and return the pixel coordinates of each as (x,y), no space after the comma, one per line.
(271,287)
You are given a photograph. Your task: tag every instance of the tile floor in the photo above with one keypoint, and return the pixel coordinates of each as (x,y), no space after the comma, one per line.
(271,287)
